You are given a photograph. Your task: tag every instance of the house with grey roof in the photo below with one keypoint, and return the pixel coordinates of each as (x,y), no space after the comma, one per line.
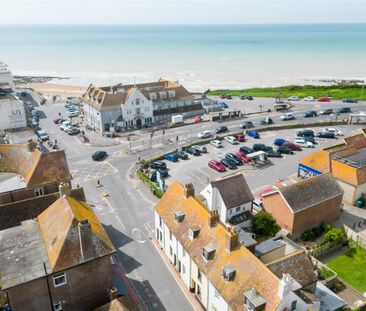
(232,199)
(305,204)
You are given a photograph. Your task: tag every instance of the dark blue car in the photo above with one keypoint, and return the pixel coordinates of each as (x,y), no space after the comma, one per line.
(253,134)
(279,141)
(171,157)
(224,105)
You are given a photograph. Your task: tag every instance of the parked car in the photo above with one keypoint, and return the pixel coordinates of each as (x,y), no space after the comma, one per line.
(246,125)
(223,105)
(229,96)
(221,129)
(279,141)
(42,135)
(293,98)
(73,114)
(200,148)
(310,139)
(324,99)
(333,130)
(265,191)
(326,111)
(222,96)
(64,125)
(350,100)
(253,134)
(34,121)
(273,154)
(243,157)
(217,166)
(228,163)
(182,155)
(240,137)
(257,204)
(308,99)
(261,147)
(99,155)
(246,149)
(344,110)
(248,97)
(216,143)
(193,151)
(305,132)
(197,119)
(158,165)
(173,157)
(287,117)
(324,134)
(303,143)
(284,150)
(231,140)
(233,157)
(163,174)
(310,114)
(72,130)
(292,146)
(266,121)
(56,120)
(204,134)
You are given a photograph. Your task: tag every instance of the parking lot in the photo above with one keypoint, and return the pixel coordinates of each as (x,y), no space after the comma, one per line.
(196,170)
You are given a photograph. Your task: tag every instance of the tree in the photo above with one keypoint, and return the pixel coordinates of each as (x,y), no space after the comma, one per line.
(334,234)
(264,224)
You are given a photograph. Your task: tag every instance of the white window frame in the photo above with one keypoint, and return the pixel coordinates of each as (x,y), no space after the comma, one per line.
(57,306)
(60,275)
(38,192)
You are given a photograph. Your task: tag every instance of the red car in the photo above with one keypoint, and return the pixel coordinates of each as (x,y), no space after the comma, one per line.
(243,157)
(266,190)
(222,96)
(292,146)
(197,119)
(324,99)
(240,137)
(216,165)
(56,120)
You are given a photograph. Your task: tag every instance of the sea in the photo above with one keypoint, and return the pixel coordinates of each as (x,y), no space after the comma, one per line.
(201,57)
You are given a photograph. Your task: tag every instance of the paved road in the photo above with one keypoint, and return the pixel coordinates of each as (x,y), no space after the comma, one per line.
(128,211)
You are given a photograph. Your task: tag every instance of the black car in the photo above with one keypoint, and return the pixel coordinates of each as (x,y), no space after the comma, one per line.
(344,110)
(310,138)
(228,163)
(163,174)
(305,132)
(261,147)
(310,114)
(273,154)
(266,121)
(233,157)
(229,96)
(246,124)
(221,129)
(246,149)
(193,151)
(284,150)
(182,155)
(326,134)
(350,100)
(99,155)
(158,165)
(248,97)
(326,111)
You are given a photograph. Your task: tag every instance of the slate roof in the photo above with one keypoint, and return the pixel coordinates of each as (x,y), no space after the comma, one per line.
(250,271)
(298,265)
(311,191)
(234,190)
(59,228)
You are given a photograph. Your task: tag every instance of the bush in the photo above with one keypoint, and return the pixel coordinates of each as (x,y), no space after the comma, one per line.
(325,273)
(327,227)
(264,224)
(334,234)
(308,236)
(317,231)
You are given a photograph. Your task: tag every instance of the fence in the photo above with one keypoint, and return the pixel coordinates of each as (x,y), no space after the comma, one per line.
(355,236)
(326,248)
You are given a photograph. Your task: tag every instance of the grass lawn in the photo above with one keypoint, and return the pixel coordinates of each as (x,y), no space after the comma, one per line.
(339,91)
(351,267)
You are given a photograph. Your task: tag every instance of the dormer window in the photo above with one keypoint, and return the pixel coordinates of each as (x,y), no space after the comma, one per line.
(193,232)
(254,301)
(163,95)
(171,93)
(208,252)
(179,216)
(228,273)
(152,95)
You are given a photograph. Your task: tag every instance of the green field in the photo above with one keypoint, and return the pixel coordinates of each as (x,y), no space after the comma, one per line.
(339,91)
(350,267)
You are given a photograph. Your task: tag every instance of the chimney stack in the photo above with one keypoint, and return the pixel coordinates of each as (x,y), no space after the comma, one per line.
(232,240)
(86,240)
(113,293)
(31,145)
(188,190)
(64,189)
(213,219)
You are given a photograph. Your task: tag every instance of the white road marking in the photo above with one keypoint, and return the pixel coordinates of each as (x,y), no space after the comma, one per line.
(121,224)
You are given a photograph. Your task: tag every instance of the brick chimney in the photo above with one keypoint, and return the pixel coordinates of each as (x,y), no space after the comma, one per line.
(232,240)
(113,293)
(213,219)
(188,190)
(64,189)
(31,145)
(86,240)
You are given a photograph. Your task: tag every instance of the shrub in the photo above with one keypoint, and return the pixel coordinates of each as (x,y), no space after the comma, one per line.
(264,224)
(308,236)
(317,231)
(327,227)
(325,273)
(334,234)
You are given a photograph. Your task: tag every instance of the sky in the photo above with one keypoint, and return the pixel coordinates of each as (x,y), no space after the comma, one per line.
(181,11)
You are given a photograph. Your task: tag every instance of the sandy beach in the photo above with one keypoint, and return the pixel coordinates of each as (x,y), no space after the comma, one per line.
(53,89)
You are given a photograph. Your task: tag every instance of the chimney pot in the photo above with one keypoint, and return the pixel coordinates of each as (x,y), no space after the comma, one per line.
(232,240)
(113,293)
(213,219)
(189,190)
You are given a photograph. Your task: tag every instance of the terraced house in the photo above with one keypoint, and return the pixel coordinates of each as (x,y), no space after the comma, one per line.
(107,108)
(222,273)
